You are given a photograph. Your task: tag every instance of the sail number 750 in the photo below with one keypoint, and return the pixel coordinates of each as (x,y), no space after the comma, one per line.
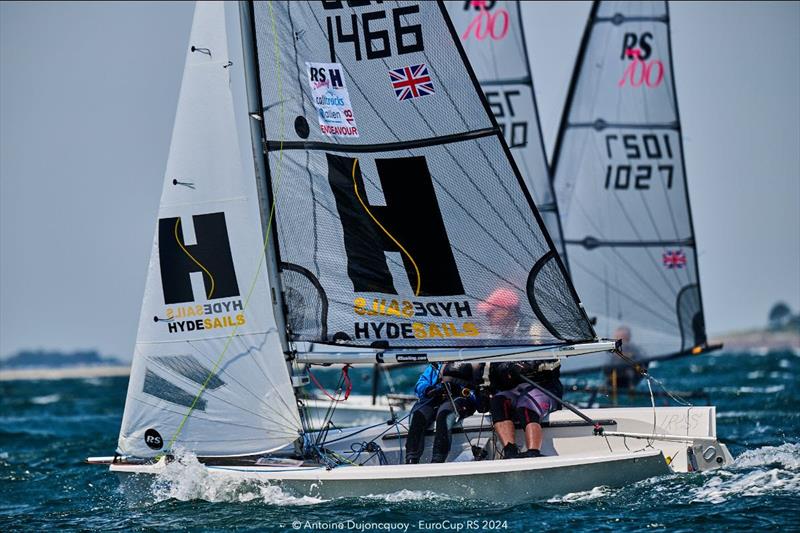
(373,33)
(641,149)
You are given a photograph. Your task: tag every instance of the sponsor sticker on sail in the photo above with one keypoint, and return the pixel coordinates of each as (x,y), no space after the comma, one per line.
(331,99)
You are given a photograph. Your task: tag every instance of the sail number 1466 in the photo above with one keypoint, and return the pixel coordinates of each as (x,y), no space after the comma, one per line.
(371,32)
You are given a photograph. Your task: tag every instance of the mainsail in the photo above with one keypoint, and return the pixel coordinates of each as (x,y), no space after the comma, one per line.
(493,36)
(621,186)
(401,216)
(208,371)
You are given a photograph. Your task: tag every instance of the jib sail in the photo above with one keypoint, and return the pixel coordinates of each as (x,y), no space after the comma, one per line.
(402,220)
(621,187)
(208,356)
(492,34)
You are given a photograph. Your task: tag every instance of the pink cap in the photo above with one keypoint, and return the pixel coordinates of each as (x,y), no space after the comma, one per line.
(504,298)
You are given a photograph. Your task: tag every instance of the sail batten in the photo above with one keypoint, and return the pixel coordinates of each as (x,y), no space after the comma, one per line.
(400,145)
(400,210)
(620,179)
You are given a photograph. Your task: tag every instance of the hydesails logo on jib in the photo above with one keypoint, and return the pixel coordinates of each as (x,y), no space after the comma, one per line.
(208,259)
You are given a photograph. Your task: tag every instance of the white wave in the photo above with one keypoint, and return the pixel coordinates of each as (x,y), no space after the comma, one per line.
(765,470)
(406,495)
(583,496)
(767,390)
(787,456)
(44,400)
(4,455)
(186,479)
(725,485)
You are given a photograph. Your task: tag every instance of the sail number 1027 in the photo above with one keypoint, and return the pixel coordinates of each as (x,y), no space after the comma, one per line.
(373,34)
(641,149)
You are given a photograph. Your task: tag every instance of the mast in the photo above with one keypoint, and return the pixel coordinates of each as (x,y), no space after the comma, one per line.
(263,180)
(576,71)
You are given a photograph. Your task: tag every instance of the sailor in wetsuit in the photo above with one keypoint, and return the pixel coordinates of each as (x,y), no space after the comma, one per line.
(446,394)
(515,398)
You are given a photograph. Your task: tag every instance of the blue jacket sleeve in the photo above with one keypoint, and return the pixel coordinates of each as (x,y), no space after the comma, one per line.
(429,377)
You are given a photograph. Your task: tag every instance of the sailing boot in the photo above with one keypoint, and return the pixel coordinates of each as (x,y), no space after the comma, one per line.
(530,453)
(510,451)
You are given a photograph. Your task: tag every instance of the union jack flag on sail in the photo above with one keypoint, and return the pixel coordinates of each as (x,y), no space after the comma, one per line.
(674,259)
(411,82)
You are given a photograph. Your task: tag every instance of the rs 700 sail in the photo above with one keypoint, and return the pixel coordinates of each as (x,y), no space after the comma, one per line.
(621,186)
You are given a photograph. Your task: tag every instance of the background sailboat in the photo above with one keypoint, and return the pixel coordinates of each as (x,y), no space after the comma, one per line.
(620,180)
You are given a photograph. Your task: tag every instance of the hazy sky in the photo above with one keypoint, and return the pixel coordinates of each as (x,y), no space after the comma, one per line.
(87,99)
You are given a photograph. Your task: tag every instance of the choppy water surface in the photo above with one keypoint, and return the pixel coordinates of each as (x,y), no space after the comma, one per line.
(48,427)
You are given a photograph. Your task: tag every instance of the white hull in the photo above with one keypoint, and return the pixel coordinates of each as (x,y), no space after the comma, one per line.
(576,459)
(511,481)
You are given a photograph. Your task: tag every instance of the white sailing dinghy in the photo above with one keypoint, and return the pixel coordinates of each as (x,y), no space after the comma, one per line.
(620,181)
(382,207)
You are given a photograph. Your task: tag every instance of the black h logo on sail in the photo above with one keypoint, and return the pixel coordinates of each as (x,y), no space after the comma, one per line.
(211,256)
(410,223)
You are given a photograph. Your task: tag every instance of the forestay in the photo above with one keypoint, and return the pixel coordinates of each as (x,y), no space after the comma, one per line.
(399,210)
(621,187)
(493,36)
(208,371)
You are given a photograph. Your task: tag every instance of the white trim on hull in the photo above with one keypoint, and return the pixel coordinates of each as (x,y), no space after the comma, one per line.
(511,481)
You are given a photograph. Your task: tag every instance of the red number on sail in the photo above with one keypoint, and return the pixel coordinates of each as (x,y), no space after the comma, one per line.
(496,24)
(651,73)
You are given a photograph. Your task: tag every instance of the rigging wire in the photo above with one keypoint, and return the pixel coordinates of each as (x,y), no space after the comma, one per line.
(347,382)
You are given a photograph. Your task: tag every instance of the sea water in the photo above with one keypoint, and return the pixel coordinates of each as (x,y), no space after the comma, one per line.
(47,428)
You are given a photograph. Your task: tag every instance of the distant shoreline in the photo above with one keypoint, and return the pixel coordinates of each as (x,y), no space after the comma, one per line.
(72,372)
(759,340)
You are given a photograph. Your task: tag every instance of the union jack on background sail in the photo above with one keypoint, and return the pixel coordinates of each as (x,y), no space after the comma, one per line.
(411,82)
(674,259)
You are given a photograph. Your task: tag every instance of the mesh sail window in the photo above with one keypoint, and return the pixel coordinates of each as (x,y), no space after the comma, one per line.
(493,37)
(402,219)
(621,186)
